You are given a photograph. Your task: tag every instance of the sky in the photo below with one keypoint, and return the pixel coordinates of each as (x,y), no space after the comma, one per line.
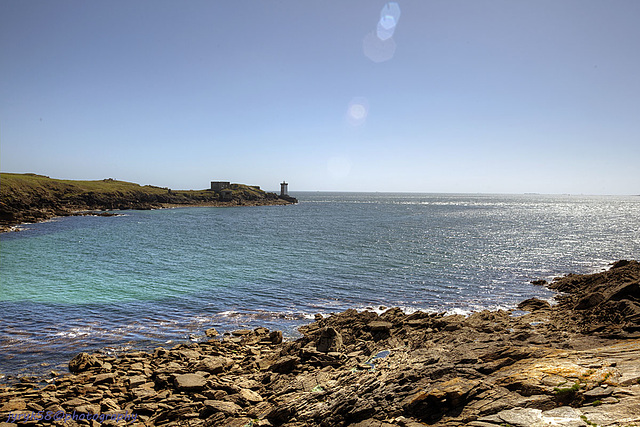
(462,96)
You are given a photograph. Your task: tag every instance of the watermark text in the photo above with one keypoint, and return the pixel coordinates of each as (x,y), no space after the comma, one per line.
(71,416)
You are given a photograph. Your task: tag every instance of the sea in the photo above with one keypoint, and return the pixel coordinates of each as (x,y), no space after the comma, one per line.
(145,279)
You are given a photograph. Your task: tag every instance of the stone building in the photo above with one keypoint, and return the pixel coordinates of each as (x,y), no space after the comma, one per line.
(218,186)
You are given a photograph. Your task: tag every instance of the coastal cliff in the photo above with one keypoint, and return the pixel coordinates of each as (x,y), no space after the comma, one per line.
(34,198)
(574,363)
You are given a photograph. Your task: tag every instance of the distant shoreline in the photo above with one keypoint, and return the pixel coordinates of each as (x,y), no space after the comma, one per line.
(32,198)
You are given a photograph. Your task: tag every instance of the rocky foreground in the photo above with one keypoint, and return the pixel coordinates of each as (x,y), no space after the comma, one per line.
(576,363)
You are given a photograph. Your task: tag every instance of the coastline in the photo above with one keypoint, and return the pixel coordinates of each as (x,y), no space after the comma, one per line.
(48,216)
(576,362)
(31,198)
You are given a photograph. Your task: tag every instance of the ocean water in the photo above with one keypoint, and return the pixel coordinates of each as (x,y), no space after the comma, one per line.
(151,278)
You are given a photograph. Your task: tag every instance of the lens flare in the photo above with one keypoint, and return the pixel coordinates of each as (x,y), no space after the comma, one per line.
(378,50)
(386,27)
(357,111)
(389,17)
(379,46)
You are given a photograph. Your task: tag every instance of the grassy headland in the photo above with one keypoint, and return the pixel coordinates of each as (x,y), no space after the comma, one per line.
(33,198)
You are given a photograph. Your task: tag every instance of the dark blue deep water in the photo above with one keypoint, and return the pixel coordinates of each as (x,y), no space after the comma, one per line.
(151,278)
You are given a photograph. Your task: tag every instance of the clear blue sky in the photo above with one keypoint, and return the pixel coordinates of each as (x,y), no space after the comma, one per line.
(497,96)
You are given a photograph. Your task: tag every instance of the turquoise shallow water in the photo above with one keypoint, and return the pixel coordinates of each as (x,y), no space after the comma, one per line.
(151,278)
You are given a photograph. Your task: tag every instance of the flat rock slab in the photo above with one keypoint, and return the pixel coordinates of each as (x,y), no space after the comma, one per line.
(250,396)
(137,380)
(227,408)
(380,326)
(527,417)
(189,382)
(213,364)
(14,405)
(108,378)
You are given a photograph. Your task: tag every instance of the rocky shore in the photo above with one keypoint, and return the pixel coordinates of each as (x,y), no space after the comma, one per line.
(574,363)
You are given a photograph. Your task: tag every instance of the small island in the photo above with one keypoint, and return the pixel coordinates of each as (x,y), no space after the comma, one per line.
(29,198)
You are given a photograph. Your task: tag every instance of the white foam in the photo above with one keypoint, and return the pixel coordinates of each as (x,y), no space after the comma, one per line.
(75,333)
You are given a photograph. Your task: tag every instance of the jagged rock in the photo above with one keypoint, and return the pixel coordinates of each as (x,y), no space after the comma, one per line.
(87,409)
(213,364)
(275,337)
(589,301)
(330,340)
(237,422)
(598,392)
(380,326)
(430,404)
(109,404)
(186,354)
(227,408)
(371,422)
(72,403)
(250,396)
(14,405)
(108,378)
(285,364)
(211,332)
(136,380)
(534,304)
(83,362)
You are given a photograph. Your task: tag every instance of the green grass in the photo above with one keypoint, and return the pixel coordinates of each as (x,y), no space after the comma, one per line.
(12,184)
(32,183)
(584,418)
(565,390)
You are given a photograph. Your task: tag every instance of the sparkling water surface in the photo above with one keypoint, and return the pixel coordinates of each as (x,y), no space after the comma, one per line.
(150,278)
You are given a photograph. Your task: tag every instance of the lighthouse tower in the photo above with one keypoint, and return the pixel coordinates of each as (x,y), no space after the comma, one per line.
(284,191)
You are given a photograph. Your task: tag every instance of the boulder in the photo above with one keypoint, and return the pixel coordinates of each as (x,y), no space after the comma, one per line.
(329,340)
(286,364)
(275,337)
(211,332)
(380,326)
(83,362)
(213,364)
(429,405)
(589,300)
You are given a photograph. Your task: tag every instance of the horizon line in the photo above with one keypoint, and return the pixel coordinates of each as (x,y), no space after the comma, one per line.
(531,193)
